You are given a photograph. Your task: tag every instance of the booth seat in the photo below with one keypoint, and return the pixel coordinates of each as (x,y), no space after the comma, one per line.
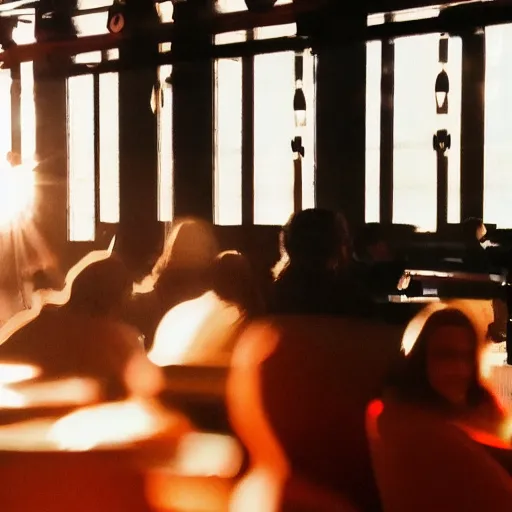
(423,464)
(297,395)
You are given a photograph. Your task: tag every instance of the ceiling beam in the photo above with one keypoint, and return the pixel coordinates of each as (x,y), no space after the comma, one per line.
(216,24)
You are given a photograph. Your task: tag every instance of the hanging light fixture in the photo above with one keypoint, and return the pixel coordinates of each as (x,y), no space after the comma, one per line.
(442,139)
(299,108)
(442,87)
(299,99)
(116,20)
(259,5)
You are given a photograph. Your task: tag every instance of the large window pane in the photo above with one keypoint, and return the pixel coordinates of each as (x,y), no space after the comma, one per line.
(24,34)
(228,142)
(498,126)
(5,116)
(109,147)
(81,194)
(415,122)
(165,145)
(373,101)
(228,127)
(274,128)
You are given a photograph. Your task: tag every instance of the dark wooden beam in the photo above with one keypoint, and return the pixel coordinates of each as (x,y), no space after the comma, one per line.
(498,11)
(472,125)
(193,125)
(387,124)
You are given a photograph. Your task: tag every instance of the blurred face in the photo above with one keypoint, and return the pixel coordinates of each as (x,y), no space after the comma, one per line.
(380,252)
(481,233)
(451,363)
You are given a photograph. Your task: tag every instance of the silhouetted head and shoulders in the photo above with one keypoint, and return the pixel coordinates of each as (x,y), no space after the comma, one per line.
(85,335)
(474,235)
(316,276)
(181,273)
(441,370)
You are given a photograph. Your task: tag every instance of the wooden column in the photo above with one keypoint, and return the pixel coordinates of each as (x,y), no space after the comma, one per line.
(50,95)
(472,119)
(140,234)
(387,111)
(340,129)
(193,127)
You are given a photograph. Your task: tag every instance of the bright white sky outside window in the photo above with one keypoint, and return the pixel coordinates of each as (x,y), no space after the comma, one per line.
(373,105)
(274,128)
(498,126)
(415,122)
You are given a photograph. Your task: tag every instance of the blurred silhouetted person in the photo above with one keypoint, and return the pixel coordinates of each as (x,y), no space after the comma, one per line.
(376,263)
(182,273)
(233,281)
(85,336)
(474,235)
(315,278)
(441,372)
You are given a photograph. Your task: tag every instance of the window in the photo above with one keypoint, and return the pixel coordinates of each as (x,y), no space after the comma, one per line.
(109,147)
(81,191)
(5,118)
(373,102)
(24,34)
(228,136)
(274,129)
(498,126)
(415,122)
(81,139)
(165,147)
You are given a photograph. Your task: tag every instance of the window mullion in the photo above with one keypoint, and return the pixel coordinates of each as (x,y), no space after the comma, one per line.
(387,130)
(248,137)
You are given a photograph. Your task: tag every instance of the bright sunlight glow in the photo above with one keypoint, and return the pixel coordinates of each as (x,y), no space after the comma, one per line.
(17,192)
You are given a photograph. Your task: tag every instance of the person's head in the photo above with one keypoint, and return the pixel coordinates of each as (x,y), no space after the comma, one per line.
(474,230)
(101,288)
(442,368)
(317,238)
(186,260)
(372,243)
(233,281)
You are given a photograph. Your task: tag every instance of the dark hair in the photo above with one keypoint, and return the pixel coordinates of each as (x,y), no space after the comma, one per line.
(469,227)
(100,287)
(314,236)
(233,281)
(370,235)
(410,381)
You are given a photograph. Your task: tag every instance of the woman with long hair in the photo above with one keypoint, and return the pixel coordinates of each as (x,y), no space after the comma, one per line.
(441,371)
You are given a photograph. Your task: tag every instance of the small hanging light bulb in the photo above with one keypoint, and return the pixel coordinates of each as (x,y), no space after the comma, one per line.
(442,89)
(299,106)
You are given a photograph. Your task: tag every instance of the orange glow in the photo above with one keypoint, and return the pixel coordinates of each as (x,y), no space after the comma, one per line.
(60,393)
(14,373)
(54,297)
(178,338)
(478,311)
(108,424)
(200,454)
(17,192)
